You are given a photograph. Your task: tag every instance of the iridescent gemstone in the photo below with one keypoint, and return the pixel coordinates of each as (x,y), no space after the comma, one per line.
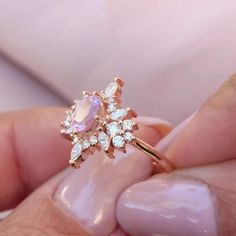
(84,115)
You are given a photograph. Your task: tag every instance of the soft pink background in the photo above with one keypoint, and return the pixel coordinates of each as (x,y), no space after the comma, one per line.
(172,54)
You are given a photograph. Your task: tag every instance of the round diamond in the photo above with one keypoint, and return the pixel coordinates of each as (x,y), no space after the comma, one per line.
(128,136)
(118,141)
(110,100)
(118,114)
(86,144)
(69,130)
(93,140)
(67,121)
(127,125)
(113,128)
(111,107)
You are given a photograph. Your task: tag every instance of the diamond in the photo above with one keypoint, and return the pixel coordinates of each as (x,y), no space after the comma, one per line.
(76,151)
(118,141)
(110,100)
(111,89)
(113,128)
(118,114)
(127,125)
(67,121)
(111,107)
(128,136)
(75,140)
(86,144)
(104,140)
(69,130)
(93,140)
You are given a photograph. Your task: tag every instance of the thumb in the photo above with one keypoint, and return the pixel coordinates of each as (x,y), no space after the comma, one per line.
(82,202)
(181,203)
(191,201)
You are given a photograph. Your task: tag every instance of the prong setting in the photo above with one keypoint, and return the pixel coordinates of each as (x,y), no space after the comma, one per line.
(112,126)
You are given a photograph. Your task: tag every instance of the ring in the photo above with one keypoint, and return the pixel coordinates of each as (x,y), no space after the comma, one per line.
(98,121)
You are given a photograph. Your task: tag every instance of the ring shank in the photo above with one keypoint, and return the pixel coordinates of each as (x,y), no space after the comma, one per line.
(162,164)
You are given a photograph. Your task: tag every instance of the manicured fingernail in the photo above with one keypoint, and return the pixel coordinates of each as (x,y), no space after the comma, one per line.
(164,144)
(167,207)
(90,193)
(163,127)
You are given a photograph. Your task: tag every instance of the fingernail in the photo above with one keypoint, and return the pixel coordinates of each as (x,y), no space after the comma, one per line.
(167,207)
(163,127)
(90,193)
(164,144)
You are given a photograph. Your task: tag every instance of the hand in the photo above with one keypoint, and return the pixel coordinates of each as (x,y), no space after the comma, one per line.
(199,197)
(74,202)
(82,202)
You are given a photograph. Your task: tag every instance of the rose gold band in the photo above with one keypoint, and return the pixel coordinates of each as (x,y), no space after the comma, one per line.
(161,163)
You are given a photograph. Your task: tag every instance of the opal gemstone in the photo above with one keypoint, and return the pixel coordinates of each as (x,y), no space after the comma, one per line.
(86,109)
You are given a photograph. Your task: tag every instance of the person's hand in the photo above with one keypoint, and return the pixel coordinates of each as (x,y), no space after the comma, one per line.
(101,198)
(74,202)
(199,197)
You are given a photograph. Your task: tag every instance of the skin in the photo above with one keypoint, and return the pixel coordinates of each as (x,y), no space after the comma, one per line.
(23,150)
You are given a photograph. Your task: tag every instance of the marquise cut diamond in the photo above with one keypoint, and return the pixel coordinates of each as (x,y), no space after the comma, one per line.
(76,151)
(104,140)
(111,90)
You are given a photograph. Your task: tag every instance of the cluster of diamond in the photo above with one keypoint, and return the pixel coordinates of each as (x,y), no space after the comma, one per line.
(113,127)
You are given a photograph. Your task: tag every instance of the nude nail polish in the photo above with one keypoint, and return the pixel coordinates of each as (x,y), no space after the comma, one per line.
(90,193)
(167,207)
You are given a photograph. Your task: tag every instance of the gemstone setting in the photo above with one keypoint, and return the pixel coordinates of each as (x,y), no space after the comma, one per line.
(128,136)
(85,112)
(127,125)
(93,140)
(118,141)
(111,90)
(118,114)
(98,121)
(104,140)
(76,151)
(113,128)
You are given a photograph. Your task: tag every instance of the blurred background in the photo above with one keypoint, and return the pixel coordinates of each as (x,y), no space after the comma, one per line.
(172,54)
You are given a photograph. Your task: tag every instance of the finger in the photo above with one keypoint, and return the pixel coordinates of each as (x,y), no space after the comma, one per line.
(88,195)
(31,152)
(209,136)
(196,201)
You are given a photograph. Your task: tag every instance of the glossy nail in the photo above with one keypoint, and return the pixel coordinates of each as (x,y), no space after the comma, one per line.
(90,193)
(167,207)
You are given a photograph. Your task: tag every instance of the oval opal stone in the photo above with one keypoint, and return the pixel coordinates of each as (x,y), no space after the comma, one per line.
(84,115)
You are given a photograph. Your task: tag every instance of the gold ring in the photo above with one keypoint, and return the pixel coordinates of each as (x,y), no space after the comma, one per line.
(98,121)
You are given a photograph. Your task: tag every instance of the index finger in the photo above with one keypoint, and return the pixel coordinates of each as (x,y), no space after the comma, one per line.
(31,151)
